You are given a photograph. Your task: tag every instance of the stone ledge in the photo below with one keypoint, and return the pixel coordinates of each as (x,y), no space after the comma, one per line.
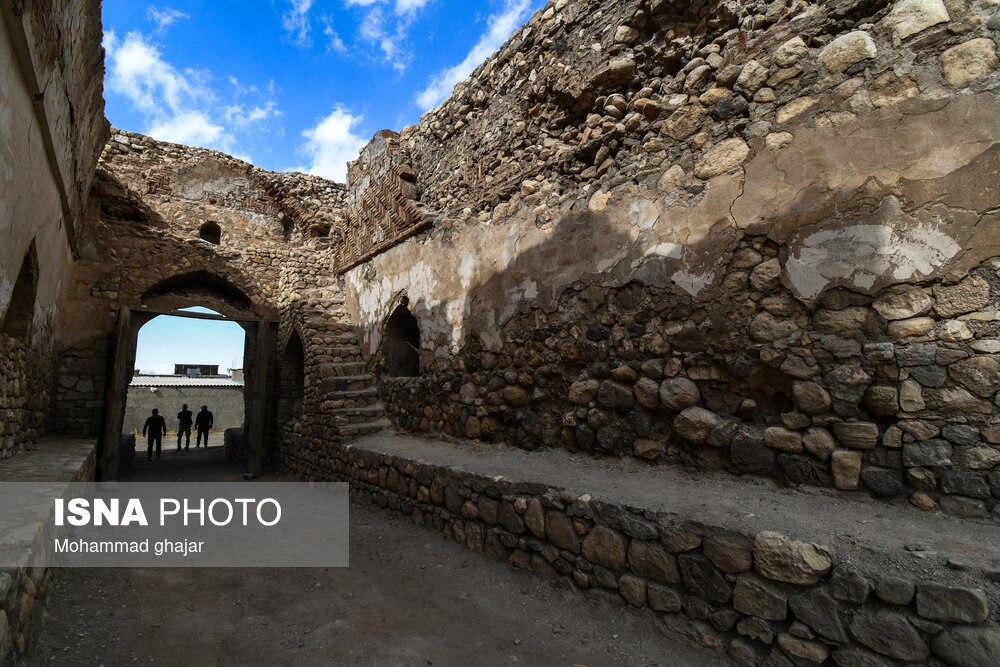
(740,565)
(24,590)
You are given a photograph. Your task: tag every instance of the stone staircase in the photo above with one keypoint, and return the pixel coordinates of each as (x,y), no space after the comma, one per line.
(346,390)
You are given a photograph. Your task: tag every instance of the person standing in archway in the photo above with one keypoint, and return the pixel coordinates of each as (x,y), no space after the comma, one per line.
(184,419)
(203,422)
(156,426)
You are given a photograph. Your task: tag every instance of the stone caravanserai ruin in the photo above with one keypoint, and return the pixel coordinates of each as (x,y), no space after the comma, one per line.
(695,306)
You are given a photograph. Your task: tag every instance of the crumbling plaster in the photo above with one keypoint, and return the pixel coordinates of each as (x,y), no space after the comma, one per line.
(29,202)
(815,195)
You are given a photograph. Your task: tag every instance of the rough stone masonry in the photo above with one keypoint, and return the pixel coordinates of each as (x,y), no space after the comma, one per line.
(740,238)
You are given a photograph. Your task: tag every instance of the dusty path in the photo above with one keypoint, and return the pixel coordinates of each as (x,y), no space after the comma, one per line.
(410,598)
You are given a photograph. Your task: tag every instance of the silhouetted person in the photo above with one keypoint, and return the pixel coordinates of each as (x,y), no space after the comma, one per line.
(203,422)
(156,426)
(184,420)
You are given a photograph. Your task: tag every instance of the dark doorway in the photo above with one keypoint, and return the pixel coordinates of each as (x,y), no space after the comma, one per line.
(21,310)
(402,343)
(291,380)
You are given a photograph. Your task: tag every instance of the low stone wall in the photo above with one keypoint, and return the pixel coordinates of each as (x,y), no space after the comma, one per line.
(24,590)
(24,391)
(763,598)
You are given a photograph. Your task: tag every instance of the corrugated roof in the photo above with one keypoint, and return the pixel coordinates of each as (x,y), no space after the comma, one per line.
(183,381)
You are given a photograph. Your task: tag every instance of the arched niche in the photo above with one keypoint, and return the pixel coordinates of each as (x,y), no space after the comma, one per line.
(401,343)
(21,308)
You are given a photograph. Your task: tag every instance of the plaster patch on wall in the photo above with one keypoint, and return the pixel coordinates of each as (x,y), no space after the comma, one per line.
(860,255)
(455,313)
(467,265)
(609,263)
(489,335)
(692,283)
(667,250)
(525,291)
(643,214)
(509,253)
(6,289)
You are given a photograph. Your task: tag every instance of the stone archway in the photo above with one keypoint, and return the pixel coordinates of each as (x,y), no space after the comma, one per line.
(167,297)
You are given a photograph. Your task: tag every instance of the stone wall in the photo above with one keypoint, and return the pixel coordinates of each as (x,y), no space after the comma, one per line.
(51,149)
(747,237)
(763,598)
(25,391)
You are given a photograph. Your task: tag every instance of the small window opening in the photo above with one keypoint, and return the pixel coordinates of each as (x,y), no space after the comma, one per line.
(402,343)
(211,233)
(21,309)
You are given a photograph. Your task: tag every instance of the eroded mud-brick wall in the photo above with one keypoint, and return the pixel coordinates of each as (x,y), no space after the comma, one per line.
(51,145)
(755,237)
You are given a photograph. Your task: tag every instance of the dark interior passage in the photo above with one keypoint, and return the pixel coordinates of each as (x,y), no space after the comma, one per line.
(401,348)
(291,380)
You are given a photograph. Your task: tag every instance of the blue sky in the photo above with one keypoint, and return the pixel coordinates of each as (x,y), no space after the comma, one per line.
(292,85)
(165,341)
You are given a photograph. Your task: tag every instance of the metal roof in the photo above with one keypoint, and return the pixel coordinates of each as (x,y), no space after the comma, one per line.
(183,381)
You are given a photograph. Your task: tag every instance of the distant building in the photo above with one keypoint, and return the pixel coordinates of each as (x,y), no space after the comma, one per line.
(196,369)
(223,396)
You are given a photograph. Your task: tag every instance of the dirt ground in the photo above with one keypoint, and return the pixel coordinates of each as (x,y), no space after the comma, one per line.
(410,598)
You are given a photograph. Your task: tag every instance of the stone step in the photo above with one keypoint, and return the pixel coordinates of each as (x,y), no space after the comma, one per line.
(325,304)
(369,410)
(322,293)
(342,369)
(330,338)
(316,326)
(335,388)
(327,281)
(345,352)
(365,427)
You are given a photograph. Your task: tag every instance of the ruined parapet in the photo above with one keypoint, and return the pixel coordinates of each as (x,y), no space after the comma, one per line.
(381,202)
(297,205)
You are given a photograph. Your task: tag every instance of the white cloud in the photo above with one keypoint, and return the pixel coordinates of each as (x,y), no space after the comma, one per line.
(335,42)
(374,30)
(388,34)
(409,6)
(136,69)
(499,28)
(181,106)
(164,17)
(296,20)
(191,127)
(331,144)
(402,6)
